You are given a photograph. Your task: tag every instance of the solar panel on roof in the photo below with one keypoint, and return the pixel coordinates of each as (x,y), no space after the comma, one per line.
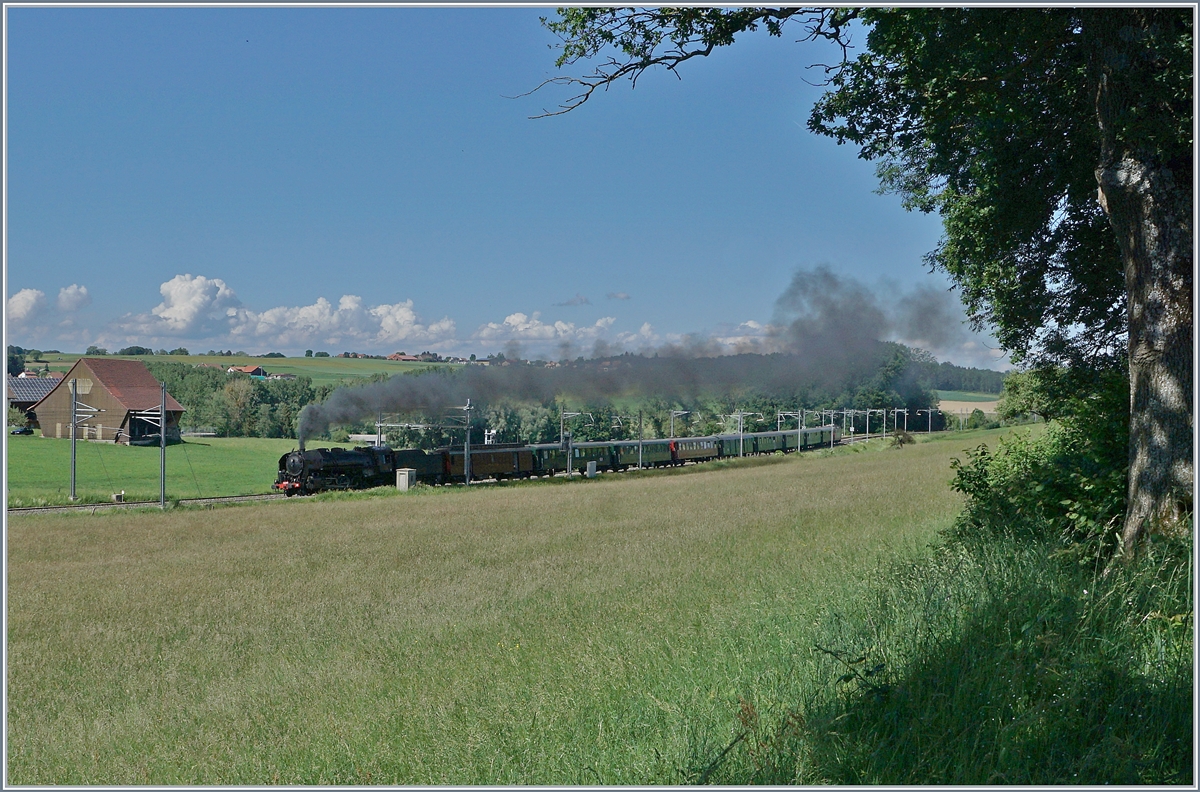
(30,389)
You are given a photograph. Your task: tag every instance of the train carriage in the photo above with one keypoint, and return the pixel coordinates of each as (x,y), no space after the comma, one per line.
(695,449)
(592,451)
(498,461)
(654,453)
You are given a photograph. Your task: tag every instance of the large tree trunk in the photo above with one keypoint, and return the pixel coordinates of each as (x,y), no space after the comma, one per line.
(1147,195)
(1152,214)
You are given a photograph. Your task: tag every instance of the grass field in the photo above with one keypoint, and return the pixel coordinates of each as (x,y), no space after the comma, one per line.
(966,396)
(39,469)
(322,370)
(607,631)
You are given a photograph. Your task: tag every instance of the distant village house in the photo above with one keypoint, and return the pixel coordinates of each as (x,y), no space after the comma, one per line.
(253,371)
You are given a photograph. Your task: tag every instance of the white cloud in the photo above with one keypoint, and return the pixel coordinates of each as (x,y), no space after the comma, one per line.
(73,297)
(24,306)
(192,307)
(188,300)
(201,308)
(351,321)
(521,327)
(643,338)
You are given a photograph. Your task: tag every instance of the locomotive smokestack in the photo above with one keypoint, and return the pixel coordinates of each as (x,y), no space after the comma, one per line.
(301,445)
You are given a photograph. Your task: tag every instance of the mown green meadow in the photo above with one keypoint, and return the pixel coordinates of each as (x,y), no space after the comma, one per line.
(606,631)
(39,469)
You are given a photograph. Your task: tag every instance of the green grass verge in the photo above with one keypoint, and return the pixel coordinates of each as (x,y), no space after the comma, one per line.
(598,631)
(1005,663)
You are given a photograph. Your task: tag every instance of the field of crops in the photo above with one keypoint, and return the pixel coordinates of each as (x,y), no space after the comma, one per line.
(604,631)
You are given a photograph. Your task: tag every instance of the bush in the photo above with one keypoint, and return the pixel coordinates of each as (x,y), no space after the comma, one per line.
(1070,483)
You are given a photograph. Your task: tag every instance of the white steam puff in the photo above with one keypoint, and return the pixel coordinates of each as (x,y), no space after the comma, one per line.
(73,297)
(24,306)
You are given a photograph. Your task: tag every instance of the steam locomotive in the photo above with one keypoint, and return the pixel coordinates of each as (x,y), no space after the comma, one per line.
(304,472)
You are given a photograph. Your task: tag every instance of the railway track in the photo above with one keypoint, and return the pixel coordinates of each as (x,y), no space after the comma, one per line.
(95,507)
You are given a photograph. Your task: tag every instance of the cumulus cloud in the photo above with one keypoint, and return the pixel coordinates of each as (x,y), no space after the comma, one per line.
(24,306)
(73,297)
(618,295)
(578,299)
(644,335)
(350,322)
(198,307)
(191,307)
(522,327)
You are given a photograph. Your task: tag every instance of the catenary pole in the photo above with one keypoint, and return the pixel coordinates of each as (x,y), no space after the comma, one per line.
(74,399)
(467,445)
(640,439)
(162,449)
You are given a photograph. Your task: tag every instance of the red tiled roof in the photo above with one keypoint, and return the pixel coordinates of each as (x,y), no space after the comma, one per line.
(129,381)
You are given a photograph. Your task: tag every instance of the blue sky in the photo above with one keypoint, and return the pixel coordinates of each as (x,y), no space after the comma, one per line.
(281,179)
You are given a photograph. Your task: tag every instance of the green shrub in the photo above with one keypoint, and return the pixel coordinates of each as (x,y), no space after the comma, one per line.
(1070,482)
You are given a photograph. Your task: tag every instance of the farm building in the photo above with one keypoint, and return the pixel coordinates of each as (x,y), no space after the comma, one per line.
(125,393)
(253,371)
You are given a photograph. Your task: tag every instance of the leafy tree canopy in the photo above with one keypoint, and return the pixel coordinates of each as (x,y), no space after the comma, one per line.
(1005,121)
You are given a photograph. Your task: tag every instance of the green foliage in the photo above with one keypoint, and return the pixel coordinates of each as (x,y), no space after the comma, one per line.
(988,116)
(320,354)
(179,351)
(235,405)
(17,417)
(949,377)
(135,350)
(95,351)
(16,361)
(1070,483)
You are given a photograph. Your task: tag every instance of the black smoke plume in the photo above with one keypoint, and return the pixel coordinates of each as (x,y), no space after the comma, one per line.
(827,332)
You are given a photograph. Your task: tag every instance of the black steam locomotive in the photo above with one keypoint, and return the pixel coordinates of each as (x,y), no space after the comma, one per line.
(316,470)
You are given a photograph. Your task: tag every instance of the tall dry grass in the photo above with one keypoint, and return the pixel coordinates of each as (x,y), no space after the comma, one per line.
(599,631)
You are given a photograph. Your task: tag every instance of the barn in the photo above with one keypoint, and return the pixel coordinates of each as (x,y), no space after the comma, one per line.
(124,394)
